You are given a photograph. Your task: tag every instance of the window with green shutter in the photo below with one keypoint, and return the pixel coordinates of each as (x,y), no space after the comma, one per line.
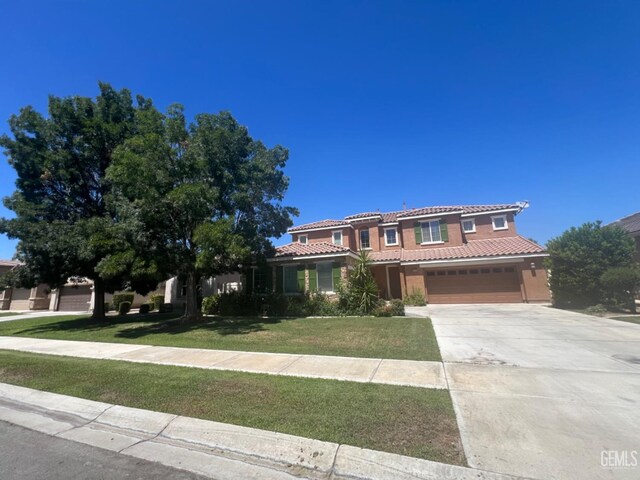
(337,277)
(290,279)
(417,229)
(301,281)
(313,278)
(431,232)
(444,231)
(279,279)
(325,276)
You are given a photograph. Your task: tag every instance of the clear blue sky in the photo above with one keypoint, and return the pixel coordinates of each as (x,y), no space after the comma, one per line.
(428,102)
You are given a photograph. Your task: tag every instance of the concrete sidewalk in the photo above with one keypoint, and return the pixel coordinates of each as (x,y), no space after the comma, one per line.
(212,449)
(367,370)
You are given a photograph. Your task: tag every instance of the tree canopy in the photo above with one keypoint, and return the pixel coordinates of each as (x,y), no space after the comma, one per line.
(62,219)
(579,258)
(206,194)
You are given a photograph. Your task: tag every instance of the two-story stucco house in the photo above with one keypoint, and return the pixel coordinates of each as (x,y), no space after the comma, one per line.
(454,254)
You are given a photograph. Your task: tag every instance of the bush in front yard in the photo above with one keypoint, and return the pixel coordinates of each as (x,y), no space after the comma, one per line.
(156,301)
(211,305)
(415,298)
(124,307)
(397,307)
(579,258)
(359,294)
(118,298)
(620,285)
(144,308)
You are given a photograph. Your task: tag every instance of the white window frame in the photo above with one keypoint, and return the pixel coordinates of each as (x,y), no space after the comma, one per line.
(473,223)
(333,237)
(360,238)
(385,237)
(422,228)
(332,291)
(284,279)
(306,239)
(493,222)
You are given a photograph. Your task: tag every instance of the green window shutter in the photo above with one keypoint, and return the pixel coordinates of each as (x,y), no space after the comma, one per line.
(337,278)
(417,228)
(444,231)
(279,279)
(313,278)
(301,278)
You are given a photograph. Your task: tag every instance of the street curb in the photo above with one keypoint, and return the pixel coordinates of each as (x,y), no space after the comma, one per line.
(211,448)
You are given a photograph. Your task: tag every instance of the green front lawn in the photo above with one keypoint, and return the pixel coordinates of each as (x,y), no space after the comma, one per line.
(630,319)
(410,421)
(8,314)
(403,338)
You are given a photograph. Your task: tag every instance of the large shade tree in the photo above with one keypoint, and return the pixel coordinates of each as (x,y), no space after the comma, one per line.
(206,195)
(62,218)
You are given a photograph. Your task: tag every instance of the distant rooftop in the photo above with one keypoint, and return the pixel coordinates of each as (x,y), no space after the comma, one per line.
(631,223)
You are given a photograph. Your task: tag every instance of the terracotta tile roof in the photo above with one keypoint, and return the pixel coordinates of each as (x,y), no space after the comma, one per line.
(320,224)
(631,223)
(456,208)
(390,217)
(490,247)
(297,249)
(386,256)
(362,215)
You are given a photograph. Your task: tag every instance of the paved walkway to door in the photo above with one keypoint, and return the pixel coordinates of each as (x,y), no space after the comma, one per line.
(541,392)
(368,370)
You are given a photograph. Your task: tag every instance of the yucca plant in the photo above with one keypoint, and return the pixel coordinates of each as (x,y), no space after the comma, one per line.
(359,294)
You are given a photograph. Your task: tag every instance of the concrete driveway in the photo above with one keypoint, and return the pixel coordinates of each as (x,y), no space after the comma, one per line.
(541,392)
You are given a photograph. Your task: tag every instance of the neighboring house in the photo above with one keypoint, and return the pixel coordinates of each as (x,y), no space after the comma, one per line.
(631,225)
(18,299)
(175,291)
(454,254)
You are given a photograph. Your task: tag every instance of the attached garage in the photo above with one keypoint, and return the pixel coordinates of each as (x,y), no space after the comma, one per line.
(75,298)
(20,299)
(473,285)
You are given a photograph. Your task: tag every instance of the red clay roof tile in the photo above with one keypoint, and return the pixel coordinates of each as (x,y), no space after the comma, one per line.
(297,249)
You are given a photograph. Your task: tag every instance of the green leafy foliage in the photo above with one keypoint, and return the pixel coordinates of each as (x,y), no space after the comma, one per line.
(415,298)
(123,308)
(211,196)
(118,298)
(359,294)
(63,220)
(620,285)
(580,256)
(156,301)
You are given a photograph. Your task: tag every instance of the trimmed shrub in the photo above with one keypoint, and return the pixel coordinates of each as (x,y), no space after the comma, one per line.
(166,308)
(211,305)
(620,285)
(415,298)
(107,307)
(156,301)
(596,310)
(118,298)
(144,308)
(123,308)
(383,311)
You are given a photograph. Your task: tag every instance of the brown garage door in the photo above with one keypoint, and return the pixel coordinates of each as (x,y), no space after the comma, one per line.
(75,299)
(20,299)
(474,285)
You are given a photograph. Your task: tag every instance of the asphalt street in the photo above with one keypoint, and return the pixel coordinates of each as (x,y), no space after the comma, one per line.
(29,455)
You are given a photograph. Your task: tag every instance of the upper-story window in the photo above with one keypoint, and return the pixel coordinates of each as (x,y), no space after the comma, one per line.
(337,237)
(364,239)
(469,225)
(431,232)
(303,239)
(499,222)
(390,236)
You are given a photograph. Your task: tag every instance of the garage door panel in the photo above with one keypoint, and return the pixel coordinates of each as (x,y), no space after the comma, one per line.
(20,299)
(492,285)
(75,299)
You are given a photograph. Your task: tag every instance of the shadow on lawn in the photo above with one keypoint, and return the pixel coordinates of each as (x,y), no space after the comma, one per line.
(156,324)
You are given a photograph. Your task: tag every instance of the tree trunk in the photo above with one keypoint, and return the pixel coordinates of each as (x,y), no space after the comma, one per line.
(98,299)
(192,312)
